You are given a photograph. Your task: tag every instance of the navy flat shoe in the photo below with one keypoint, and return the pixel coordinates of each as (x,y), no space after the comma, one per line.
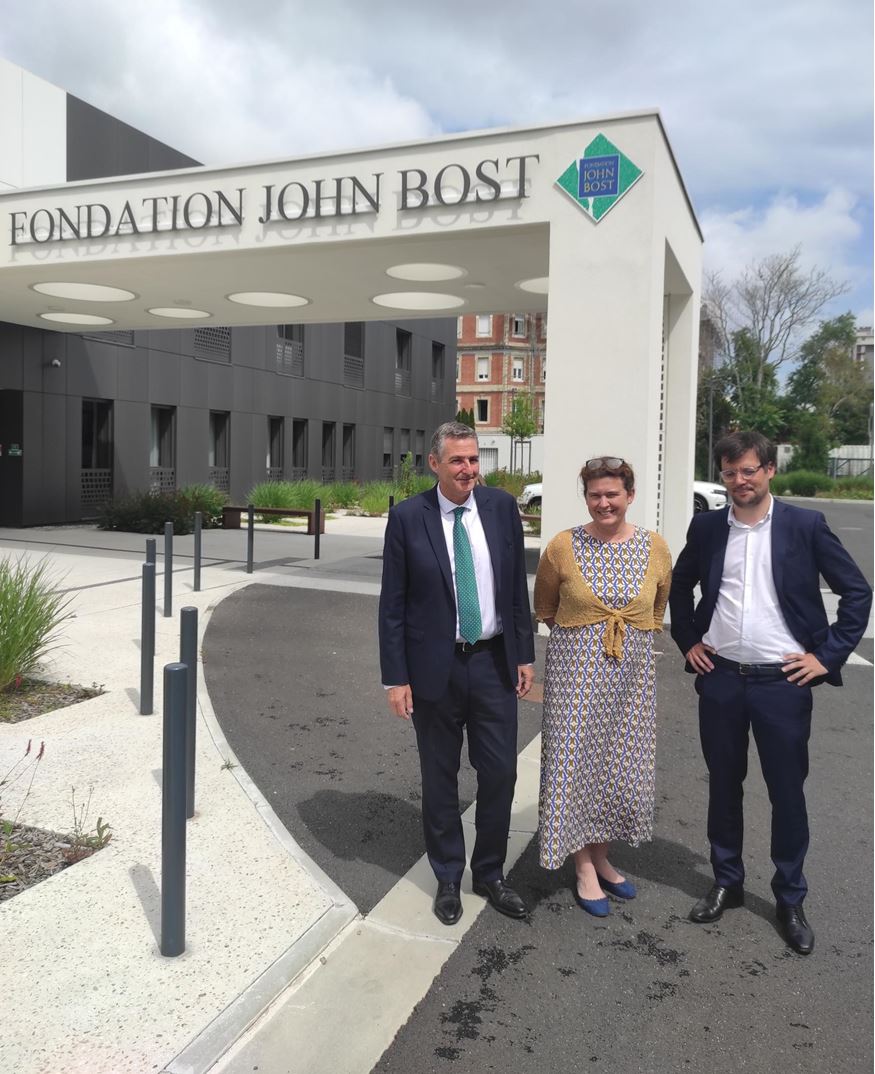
(596,907)
(624,890)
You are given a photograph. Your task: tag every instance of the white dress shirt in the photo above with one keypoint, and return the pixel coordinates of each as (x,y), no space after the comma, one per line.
(747,624)
(489,617)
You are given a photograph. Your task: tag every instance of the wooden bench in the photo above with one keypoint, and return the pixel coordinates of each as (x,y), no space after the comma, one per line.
(232,517)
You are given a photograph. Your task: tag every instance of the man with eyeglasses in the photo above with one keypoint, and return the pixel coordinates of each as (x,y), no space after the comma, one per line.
(758,641)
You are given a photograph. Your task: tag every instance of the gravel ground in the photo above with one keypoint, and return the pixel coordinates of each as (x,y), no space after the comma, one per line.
(29,855)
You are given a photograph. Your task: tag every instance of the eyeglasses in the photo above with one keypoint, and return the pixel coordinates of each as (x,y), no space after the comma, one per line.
(608,462)
(745,472)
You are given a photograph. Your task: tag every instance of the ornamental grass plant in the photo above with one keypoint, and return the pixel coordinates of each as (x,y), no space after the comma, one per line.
(32,609)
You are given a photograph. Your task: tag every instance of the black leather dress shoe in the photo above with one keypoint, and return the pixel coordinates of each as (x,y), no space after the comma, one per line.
(447,904)
(718,899)
(504,899)
(795,928)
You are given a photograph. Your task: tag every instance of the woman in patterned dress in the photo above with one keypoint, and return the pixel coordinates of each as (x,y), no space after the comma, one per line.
(601,588)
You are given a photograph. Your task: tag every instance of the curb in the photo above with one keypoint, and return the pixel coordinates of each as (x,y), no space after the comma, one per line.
(215,1039)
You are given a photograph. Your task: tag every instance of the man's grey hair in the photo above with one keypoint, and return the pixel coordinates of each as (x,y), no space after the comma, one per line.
(450,430)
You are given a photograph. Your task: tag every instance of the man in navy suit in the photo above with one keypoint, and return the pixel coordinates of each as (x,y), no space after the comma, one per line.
(758,641)
(456,651)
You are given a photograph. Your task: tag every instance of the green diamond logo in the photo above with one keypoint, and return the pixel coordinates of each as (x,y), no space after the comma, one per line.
(599,178)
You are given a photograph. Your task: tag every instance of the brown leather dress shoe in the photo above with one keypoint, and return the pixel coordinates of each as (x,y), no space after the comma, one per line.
(447,904)
(503,898)
(795,928)
(718,899)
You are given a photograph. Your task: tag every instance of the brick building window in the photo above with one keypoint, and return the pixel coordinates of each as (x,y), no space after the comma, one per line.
(482,368)
(482,410)
(484,324)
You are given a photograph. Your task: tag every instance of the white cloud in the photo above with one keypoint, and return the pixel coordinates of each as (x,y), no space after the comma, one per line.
(828,232)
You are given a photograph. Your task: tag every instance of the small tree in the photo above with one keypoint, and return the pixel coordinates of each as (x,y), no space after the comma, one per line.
(520,422)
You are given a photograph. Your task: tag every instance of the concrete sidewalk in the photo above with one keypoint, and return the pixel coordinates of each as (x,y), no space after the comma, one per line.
(279,964)
(90,990)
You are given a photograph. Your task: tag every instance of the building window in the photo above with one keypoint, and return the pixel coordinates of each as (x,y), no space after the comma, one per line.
(402,362)
(354,354)
(484,324)
(213,343)
(220,455)
(162,448)
(516,372)
(482,368)
(290,350)
(482,410)
(404,445)
(459,327)
(518,326)
(419,453)
(276,432)
(96,434)
(348,453)
(543,368)
(328,445)
(96,476)
(543,326)
(458,369)
(388,450)
(437,372)
(300,456)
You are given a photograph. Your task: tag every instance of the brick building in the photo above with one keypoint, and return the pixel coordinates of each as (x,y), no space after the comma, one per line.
(498,355)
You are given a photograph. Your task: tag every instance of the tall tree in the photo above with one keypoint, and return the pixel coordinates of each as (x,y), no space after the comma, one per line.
(520,422)
(760,320)
(829,390)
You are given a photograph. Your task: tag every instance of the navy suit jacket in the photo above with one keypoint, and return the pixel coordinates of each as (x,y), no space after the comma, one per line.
(803,549)
(417,616)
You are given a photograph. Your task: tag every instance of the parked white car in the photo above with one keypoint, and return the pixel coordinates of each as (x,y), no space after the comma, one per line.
(707,496)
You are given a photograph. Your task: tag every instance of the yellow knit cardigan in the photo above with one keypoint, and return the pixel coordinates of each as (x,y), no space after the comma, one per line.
(562,593)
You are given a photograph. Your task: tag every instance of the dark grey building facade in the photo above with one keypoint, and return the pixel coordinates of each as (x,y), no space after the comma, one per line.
(85,417)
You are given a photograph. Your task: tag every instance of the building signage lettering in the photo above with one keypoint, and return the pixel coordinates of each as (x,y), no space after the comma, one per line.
(348,195)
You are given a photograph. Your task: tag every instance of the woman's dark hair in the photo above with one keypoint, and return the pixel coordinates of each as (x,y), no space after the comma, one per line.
(596,468)
(734,445)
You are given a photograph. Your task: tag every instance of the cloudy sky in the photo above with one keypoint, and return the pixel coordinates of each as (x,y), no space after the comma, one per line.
(768,103)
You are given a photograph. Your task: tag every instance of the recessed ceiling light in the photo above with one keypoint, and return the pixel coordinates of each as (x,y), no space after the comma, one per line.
(76,318)
(423,271)
(539,285)
(277,299)
(84,292)
(418,300)
(178,312)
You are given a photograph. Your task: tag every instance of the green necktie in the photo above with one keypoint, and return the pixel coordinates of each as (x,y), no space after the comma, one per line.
(466,582)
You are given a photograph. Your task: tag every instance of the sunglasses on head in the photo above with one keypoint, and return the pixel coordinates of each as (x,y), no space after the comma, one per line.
(607,462)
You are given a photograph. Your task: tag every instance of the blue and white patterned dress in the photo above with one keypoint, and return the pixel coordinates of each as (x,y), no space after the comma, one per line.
(599,718)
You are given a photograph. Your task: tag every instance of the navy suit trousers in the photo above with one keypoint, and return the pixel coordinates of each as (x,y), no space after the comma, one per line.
(779,714)
(481,700)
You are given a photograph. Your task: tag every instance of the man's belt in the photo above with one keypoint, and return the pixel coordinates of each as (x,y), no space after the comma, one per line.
(753,671)
(467,647)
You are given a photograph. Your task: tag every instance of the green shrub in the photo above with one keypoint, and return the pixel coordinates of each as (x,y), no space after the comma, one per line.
(146,512)
(340,495)
(375,495)
(300,495)
(31,610)
(801,483)
(204,498)
(512,483)
(855,488)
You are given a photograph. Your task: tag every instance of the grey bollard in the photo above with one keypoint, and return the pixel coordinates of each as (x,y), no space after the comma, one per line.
(188,656)
(147,641)
(317,526)
(250,537)
(173,812)
(198,525)
(168,569)
(150,549)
